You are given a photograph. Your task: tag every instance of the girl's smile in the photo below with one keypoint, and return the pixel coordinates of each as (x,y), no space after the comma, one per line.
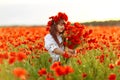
(61,28)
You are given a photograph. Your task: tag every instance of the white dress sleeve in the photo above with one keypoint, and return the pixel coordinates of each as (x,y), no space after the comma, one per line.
(50,43)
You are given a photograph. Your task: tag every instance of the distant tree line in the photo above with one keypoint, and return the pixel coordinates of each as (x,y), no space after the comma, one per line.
(103,23)
(93,23)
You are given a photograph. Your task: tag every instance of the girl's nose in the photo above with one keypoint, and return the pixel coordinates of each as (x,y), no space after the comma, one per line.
(63,26)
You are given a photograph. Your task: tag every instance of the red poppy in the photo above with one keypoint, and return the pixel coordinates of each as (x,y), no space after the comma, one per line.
(79,62)
(112,76)
(21,56)
(50,78)
(111,66)
(117,62)
(42,72)
(5,56)
(66,55)
(50,60)
(84,75)
(1,60)
(102,58)
(68,69)
(60,71)
(54,65)
(12,60)
(13,54)
(20,72)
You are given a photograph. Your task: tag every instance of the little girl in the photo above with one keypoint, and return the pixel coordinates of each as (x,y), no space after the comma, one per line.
(53,40)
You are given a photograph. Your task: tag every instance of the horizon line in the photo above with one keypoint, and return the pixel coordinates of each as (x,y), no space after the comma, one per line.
(46,24)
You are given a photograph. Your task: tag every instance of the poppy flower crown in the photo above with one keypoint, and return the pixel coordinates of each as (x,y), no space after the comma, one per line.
(55,19)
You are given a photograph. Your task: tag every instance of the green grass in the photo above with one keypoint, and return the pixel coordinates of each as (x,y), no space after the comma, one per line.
(90,65)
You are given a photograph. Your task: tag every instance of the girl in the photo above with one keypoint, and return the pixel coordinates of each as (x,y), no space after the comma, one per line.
(53,40)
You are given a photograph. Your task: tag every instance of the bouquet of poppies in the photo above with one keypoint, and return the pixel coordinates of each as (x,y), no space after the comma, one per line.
(75,34)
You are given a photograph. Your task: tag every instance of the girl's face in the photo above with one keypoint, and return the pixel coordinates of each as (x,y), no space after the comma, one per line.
(61,26)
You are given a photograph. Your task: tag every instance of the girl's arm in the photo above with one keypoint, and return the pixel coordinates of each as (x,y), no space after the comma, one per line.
(60,52)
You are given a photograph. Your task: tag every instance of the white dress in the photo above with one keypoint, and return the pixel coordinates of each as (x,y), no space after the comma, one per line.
(50,45)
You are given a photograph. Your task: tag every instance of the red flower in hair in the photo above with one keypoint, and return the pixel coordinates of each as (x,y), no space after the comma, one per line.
(49,23)
(63,16)
(55,19)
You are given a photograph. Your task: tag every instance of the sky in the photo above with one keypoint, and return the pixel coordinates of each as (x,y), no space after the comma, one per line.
(37,12)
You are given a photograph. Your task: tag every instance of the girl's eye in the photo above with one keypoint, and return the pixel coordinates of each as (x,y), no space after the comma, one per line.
(62,24)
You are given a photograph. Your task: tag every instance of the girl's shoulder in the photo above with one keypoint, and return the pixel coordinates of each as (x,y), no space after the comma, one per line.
(48,36)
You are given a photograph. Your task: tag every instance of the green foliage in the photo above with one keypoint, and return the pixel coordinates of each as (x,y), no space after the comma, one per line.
(90,65)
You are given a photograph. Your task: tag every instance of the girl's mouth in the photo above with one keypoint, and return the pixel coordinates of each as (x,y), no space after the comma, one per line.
(61,29)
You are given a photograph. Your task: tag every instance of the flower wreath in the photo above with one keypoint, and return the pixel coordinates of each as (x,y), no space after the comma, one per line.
(56,18)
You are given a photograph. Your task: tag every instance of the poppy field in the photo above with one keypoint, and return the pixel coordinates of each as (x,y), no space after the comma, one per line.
(23,56)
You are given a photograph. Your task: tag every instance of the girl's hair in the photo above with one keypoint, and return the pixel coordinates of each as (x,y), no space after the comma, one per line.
(54,30)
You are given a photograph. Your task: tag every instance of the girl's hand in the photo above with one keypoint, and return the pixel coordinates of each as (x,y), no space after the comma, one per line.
(72,51)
